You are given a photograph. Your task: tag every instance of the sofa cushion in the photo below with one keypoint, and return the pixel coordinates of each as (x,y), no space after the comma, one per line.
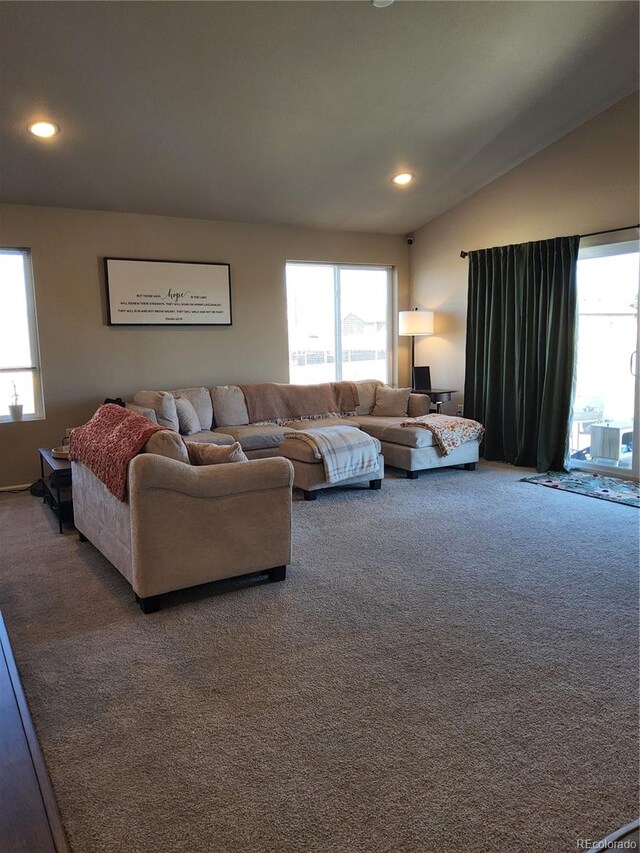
(419,404)
(163,404)
(207,436)
(257,436)
(211,454)
(301,451)
(200,399)
(390,429)
(145,411)
(367,395)
(391,402)
(229,407)
(167,443)
(187,416)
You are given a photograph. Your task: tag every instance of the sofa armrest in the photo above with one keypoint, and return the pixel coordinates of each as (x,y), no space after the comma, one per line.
(143,410)
(419,404)
(149,471)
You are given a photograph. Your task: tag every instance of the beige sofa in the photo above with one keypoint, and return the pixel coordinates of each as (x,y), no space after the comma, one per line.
(186,525)
(223,418)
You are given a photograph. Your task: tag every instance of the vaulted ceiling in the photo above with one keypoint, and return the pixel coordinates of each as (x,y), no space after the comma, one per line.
(296,112)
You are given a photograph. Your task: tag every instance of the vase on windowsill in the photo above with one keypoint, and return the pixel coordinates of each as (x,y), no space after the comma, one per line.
(15,408)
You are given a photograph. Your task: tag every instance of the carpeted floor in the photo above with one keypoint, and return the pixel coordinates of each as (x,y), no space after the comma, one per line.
(450,666)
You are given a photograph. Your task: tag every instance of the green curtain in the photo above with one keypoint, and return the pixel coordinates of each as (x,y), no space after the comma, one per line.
(520,356)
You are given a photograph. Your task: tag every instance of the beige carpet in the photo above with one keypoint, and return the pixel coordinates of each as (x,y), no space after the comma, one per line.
(450,666)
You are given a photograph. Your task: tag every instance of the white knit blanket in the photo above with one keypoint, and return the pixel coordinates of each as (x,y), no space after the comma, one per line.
(345,451)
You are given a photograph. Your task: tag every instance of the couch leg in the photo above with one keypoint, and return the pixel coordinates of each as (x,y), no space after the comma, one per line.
(277,574)
(82,537)
(412,475)
(470,466)
(375,485)
(149,604)
(309,496)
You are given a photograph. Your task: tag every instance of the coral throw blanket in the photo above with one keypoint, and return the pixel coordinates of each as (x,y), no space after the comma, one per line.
(270,401)
(448,432)
(108,442)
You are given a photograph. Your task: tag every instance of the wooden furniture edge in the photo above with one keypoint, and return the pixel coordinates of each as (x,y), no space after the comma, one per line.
(54,818)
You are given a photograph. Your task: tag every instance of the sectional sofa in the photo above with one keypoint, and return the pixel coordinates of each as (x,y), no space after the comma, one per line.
(222,416)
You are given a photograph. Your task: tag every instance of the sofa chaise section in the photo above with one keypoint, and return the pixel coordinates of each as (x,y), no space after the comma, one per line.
(413,449)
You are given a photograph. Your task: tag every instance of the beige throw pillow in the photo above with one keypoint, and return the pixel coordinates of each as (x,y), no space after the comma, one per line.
(167,443)
(200,399)
(188,419)
(391,402)
(214,454)
(162,403)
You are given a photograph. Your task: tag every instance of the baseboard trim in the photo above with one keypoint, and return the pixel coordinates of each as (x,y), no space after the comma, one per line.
(15,488)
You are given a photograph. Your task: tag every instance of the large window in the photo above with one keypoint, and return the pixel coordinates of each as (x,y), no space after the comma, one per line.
(19,356)
(339,322)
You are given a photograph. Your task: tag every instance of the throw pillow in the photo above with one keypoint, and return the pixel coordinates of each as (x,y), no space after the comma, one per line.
(215,454)
(167,443)
(200,399)
(188,419)
(391,402)
(162,403)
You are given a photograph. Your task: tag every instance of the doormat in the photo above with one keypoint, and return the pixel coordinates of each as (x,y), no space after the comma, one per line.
(593,485)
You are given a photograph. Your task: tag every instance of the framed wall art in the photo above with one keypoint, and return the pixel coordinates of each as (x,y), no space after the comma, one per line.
(167,293)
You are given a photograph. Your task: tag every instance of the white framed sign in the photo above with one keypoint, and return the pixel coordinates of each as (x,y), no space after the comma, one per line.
(167,293)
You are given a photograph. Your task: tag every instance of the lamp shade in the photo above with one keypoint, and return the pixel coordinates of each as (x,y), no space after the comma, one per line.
(415,322)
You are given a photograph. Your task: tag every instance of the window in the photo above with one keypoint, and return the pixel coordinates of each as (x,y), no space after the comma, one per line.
(339,322)
(19,356)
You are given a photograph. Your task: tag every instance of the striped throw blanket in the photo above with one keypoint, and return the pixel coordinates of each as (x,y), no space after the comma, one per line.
(448,431)
(345,451)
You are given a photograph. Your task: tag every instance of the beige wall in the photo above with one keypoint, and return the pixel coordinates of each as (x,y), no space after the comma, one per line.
(587,181)
(84,360)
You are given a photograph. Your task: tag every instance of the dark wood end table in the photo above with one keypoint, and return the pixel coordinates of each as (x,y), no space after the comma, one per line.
(58,493)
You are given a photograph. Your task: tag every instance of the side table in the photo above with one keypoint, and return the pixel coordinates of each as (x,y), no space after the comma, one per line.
(438,396)
(57,493)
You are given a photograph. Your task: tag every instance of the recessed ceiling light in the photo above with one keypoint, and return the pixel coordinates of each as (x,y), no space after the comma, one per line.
(43,129)
(381,4)
(403,179)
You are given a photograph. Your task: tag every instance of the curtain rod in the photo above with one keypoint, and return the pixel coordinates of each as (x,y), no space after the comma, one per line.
(464,254)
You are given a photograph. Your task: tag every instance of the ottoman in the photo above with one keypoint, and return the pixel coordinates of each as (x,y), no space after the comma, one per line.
(313,452)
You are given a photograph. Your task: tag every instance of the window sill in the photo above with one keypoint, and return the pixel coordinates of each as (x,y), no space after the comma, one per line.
(5,419)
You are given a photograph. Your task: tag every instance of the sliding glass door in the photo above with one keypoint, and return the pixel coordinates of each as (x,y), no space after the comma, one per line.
(604,426)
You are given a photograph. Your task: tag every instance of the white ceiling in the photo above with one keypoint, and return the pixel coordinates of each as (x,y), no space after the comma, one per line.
(296,112)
